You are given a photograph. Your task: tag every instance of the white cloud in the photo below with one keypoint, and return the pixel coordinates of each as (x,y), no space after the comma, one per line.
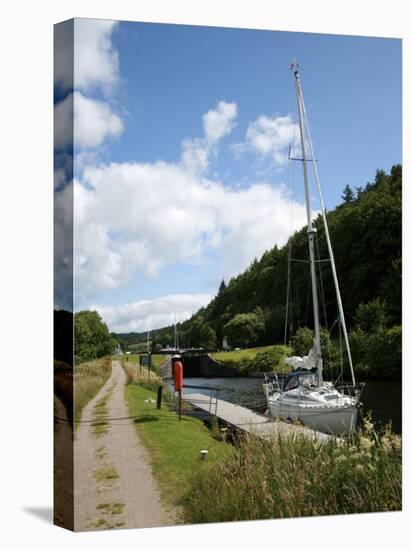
(151,314)
(92,121)
(145,217)
(141,218)
(95,66)
(217,123)
(96,62)
(271,137)
(96,264)
(195,155)
(84,55)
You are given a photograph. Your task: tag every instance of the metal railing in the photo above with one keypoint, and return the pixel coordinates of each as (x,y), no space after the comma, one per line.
(351,390)
(271,384)
(211,400)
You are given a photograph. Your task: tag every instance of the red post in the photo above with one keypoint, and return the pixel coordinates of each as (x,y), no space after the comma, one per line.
(178,375)
(178,379)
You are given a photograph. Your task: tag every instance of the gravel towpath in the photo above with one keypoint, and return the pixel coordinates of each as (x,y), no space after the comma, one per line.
(113,482)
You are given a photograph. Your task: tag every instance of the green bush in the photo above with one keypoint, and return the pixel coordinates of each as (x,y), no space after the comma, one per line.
(371,317)
(302,341)
(384,353)
(245,329)
(207,336)
(358,342)
(92,338)
(378,355)
(244,364)
(268,360)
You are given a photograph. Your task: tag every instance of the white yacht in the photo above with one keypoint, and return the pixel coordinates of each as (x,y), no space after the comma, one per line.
(303,395)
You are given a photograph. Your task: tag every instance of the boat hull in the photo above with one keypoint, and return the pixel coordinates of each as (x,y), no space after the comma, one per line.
(334,420)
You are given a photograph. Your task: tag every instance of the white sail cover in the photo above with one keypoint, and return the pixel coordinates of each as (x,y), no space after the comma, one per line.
(305,362)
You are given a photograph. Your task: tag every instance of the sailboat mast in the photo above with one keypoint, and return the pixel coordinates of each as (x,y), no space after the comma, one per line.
(331,256)
(311,231)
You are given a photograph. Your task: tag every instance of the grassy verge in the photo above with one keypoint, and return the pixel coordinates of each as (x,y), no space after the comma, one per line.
(133,359)
(298,477)
(261,359)
(88,379)
(237,356)
(141,375)
(174,446)
(257,479)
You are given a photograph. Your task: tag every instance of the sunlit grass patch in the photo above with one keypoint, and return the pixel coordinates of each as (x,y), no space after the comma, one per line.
(107,474)
(101,452)
(113,508)
(100,427)
(101,523)
(246,359)
(101,409)
(174,446)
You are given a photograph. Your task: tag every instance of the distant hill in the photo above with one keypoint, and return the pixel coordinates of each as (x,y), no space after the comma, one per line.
(366,235)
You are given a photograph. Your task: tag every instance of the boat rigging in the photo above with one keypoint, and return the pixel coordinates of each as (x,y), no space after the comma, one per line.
(304,395)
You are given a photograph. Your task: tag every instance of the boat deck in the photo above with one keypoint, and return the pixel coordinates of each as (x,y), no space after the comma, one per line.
(249,421)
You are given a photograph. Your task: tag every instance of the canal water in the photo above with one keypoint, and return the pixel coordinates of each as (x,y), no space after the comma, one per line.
(382,398)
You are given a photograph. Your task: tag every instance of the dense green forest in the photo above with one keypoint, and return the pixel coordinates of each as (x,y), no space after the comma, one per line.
(366,233)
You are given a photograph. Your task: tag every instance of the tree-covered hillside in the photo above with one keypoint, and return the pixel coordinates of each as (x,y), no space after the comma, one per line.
(366,238)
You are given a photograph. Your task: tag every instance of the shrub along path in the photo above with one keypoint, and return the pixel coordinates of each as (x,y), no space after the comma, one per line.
(114,486)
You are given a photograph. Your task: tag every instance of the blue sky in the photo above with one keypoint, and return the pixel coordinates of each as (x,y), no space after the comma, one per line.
(174,73)
(181,136)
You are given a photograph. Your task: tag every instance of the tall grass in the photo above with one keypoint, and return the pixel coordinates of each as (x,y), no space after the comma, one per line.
(140,375)
(88,379)
(148,380)
(157,361)
(294,477)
